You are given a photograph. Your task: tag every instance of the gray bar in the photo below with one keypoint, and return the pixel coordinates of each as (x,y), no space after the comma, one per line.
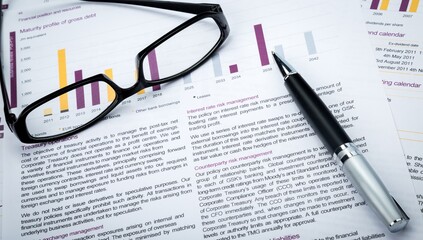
(187,79)
(310,43)
(279,51)
(216,65)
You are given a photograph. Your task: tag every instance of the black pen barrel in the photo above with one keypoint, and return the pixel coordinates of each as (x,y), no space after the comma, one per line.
(352,162)
(317,114)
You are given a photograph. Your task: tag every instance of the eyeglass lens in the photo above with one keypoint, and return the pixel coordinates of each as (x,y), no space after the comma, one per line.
(181,51)
(170,58)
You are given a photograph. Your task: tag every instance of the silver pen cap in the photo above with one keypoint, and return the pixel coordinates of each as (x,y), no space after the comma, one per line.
(371,187)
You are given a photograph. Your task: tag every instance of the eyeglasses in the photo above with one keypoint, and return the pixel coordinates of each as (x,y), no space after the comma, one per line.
(209,22)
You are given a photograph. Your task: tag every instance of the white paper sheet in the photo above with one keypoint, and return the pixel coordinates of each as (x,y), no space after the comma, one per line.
(394,32)
(223,153)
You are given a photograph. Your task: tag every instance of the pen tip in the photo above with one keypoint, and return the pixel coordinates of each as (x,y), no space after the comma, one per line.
(285,68)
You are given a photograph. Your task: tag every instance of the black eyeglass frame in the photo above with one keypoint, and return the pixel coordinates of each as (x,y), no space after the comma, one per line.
(201,10)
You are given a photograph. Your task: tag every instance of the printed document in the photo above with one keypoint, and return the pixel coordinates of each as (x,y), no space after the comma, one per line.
(397,43)
(223,153)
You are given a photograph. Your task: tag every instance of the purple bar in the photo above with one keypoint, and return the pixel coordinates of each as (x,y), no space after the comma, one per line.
(95,93)
(4,6)
(1,129)
(375,4)
(404,5)
(80,98)
(154,69)
(261,44)
(233,68)
(13,79)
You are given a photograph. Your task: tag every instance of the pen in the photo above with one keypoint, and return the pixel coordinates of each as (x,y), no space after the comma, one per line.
(338,143)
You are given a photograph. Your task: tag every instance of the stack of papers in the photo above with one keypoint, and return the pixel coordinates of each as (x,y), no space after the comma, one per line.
(224,152)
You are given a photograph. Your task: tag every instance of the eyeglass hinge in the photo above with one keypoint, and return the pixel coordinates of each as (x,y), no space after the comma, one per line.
(11,119)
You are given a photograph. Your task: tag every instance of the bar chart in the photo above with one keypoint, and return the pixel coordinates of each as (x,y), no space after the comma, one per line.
(263,51)
(309,42)
(67,61)
(411,6)
(33,62)
(68,76)
(82,98)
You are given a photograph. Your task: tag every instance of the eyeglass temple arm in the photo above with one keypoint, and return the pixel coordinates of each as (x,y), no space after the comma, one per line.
(10,117)
(5,96)
(194,8)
